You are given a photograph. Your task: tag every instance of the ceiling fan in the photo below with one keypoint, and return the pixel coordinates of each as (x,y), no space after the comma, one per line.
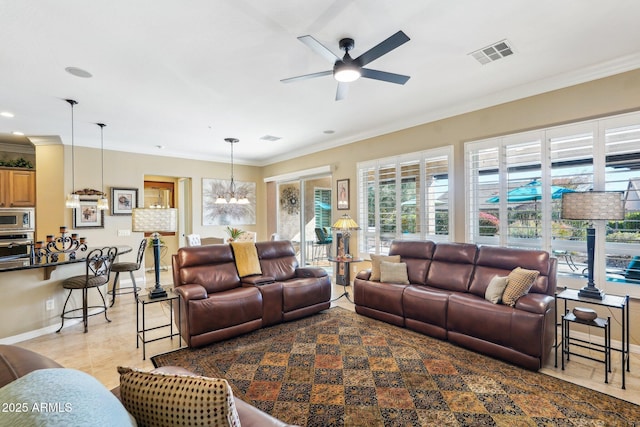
(347,69)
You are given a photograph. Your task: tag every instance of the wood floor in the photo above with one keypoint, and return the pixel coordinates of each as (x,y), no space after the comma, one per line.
(108,345)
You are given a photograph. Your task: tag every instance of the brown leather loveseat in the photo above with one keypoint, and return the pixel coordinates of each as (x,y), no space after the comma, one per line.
(218,304)
(446,299)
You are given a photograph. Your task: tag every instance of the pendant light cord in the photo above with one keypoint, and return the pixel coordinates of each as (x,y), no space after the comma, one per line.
(102,125)
(73,159)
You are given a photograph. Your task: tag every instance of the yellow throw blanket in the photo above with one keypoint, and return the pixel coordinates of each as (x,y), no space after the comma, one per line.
(246,256)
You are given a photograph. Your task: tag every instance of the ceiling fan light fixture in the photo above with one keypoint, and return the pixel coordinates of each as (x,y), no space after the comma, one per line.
(346,73)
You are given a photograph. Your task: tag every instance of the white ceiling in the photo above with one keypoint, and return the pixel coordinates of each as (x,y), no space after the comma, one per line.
(186,74)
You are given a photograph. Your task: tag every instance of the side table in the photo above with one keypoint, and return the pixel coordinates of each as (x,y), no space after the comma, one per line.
(343,276)
(141,333)
(612,301)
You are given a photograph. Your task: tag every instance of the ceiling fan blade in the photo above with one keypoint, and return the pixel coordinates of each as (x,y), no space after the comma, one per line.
(384,76)
(341,92)
(307,76)
(319,48)
(382,48)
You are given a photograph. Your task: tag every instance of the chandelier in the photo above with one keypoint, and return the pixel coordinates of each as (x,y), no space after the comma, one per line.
(222,199)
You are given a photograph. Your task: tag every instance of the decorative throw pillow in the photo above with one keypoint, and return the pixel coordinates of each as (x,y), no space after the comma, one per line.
(157,399)
(375,264)
(495,289)
(519,281)
(246,256)
(394,272)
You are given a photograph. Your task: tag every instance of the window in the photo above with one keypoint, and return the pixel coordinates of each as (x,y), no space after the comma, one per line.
(515,185)
(404,197)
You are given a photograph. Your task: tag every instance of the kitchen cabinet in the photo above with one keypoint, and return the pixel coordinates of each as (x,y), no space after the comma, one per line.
(17,188)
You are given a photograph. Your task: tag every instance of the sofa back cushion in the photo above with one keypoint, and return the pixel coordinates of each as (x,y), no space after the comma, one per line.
(499,261)
(452,266)
(277,259)
(211,266)
(417,255)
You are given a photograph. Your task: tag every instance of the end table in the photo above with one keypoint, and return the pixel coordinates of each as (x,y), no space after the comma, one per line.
(141,333)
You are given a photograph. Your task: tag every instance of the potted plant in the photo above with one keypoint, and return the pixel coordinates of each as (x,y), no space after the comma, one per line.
(234,233)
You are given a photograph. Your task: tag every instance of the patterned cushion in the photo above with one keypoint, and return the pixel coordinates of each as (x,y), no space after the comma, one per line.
(519,282)
(394,272)
(78,282)
(156,399)
(375,264)
(495,289)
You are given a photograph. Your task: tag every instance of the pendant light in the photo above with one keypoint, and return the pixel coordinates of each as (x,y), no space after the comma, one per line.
(73,200)
(221,200)
(103,202)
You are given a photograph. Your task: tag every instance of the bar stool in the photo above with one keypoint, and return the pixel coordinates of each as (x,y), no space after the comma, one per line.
(98,269)
(122,267)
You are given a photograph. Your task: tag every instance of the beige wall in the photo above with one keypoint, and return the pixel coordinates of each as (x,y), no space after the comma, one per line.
(608,96)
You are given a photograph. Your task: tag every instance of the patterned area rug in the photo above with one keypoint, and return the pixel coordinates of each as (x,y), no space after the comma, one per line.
(339,368)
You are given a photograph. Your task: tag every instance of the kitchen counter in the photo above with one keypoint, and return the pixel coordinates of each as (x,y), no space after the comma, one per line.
(24,262)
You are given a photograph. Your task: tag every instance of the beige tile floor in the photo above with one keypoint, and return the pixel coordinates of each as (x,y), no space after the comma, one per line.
(108,345)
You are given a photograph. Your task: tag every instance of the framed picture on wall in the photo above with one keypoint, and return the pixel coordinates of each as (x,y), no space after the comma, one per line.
(123,200)
(88,215)
(342,193)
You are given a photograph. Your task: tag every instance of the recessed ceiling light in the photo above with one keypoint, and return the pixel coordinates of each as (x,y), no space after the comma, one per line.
(7,114)
(160,147)
(78,72)
(15,132)
(329,131)
(270,138)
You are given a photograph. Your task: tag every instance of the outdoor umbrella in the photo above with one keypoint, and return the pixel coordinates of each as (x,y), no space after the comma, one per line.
(530,192)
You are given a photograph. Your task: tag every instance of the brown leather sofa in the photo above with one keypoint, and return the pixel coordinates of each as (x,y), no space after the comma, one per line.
(16,362)
(445,299)
(217,304)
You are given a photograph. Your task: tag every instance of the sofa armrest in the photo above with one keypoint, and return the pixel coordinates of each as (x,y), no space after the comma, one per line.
(257,280)
(191,292)
(535,303)
(310,272)
(364,274)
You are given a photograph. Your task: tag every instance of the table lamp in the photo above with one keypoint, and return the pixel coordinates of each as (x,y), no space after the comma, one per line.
(155,221)
(345,224)
(590,206)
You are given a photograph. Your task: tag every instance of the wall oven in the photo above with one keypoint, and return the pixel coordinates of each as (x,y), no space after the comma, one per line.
(16,236)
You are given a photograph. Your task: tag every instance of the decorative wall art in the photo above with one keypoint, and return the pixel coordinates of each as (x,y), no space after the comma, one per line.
(343,193)
(290,200)
(123,200)
(88,215)
(227,214)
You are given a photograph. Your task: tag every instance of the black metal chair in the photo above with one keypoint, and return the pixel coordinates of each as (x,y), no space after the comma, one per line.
(98,268)
(323,241)
(123,267)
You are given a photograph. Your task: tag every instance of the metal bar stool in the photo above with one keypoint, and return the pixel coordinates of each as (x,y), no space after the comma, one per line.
(98,268)
(121,267)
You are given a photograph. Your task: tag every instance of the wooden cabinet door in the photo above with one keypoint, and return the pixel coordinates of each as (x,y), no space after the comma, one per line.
(4,188)
(21,189)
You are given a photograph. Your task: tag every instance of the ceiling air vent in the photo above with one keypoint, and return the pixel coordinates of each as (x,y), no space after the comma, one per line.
(493,52)
(270,138)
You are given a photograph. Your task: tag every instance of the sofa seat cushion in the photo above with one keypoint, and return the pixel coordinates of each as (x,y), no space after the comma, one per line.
(304,292)
(426,305)
(61,397)
(385,297)
(471,315)
(224,309)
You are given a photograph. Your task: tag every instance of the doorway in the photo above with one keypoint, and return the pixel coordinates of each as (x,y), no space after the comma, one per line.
(304,205)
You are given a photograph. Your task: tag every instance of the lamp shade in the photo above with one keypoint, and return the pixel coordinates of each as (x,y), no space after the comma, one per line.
(592,205)
(154,220)
(345,222)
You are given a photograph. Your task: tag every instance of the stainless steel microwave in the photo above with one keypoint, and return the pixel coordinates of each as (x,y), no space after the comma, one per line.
(14,219)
